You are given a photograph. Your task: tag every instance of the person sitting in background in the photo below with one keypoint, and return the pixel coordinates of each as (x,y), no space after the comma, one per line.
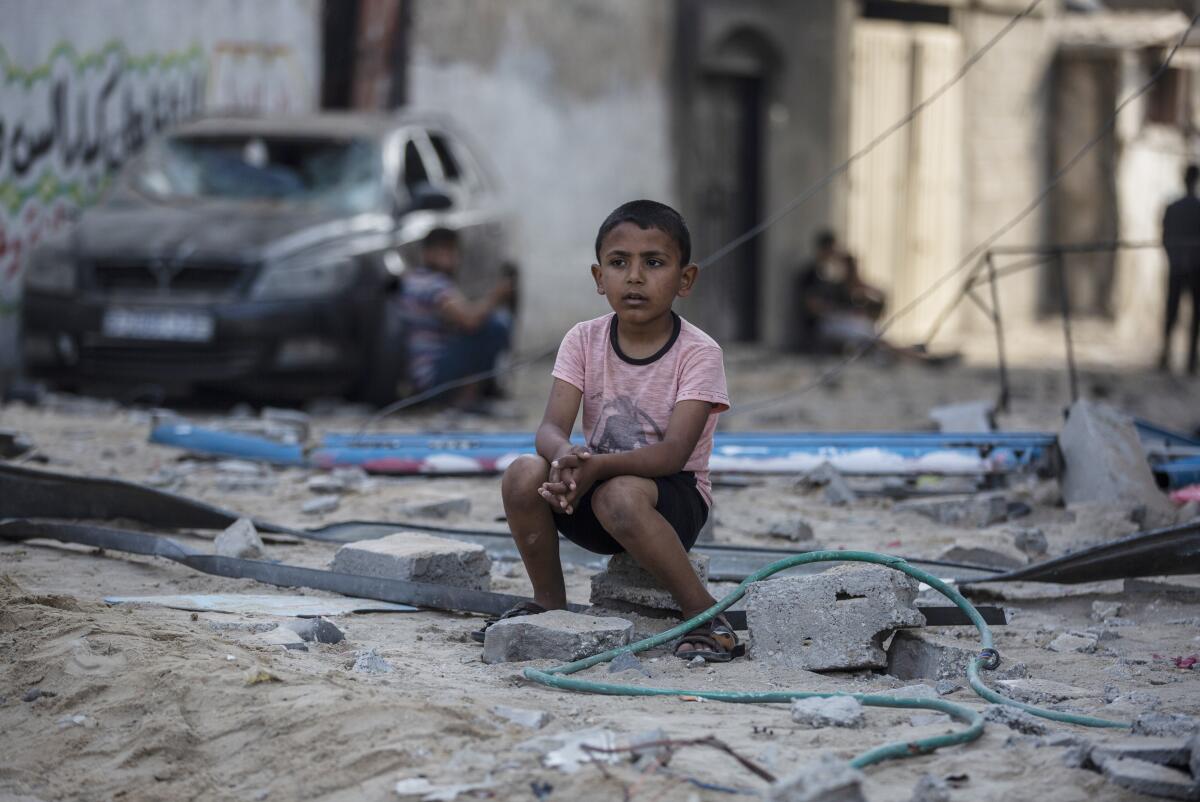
(449,336)
(837,309)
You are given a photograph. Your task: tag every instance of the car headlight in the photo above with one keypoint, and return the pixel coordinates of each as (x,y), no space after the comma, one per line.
(51,271)
(303,279)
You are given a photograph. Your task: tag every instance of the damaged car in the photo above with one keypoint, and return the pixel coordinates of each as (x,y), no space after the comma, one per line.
(259,254)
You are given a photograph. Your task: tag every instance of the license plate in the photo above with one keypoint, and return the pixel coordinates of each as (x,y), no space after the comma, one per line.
(158,324)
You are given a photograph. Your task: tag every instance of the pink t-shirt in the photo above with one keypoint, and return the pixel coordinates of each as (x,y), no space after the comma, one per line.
(628,402)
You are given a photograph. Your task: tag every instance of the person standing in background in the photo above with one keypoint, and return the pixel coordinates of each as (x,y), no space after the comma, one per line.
(1181,239)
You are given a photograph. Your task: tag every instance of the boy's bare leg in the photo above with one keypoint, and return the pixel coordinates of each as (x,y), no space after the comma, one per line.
(624,505)
(532,525)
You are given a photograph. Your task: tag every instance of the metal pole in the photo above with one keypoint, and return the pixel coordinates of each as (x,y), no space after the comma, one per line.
(1002,360)
(1064,301)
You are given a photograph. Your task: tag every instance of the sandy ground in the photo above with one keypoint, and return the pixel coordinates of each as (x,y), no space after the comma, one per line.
(152,703)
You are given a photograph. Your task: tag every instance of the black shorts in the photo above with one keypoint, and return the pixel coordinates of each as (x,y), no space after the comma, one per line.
(678,501)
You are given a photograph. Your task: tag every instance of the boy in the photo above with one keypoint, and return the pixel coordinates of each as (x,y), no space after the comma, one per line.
(651,385)
(450,337)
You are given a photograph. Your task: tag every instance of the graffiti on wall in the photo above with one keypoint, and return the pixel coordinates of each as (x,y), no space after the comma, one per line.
(67,123)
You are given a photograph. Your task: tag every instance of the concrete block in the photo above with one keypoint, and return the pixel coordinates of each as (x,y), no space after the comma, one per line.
(556,635)
(1167,724)
(417,557)
(1041,692)
(625,585)
(1162,750)
(1001,558)
(1015,719)
(1105,462)
(827,779)
(918,654)
(1149,778)
(530,719)
(834,711)
(1074,642)
(240,540)
(975,510)
(433,506)
(830,621)
(971,416)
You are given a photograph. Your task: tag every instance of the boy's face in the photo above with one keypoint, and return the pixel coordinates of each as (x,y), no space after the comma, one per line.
(442,258)
(640,273)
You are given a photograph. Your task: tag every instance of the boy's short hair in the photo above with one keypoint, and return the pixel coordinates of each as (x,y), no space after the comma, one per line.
(825,239)
(440,238)
(647,214)
(1191,175)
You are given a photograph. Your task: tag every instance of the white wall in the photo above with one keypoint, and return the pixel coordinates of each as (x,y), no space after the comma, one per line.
(124,69)
(570,106)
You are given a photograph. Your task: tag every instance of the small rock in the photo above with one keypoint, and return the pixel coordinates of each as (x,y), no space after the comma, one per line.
(790,529)
(320,505)
(317,630)
(555,635)
(827,779)
(977,510)
(1031,542)
(434,507)
(931,789)
(945,687)
(1104,610)
(369,662)
(1073,642)
(831,711)
(324,483)
(837,490)
(240,540)
(1149,778)
(531,719)
(1165,751)
(627,662)
(696,662)
(240,467)
(979,555)
(1015,719)
(417,557)
(77,720)
(33,694)
(1040,692)
(921,691)
(1166,724)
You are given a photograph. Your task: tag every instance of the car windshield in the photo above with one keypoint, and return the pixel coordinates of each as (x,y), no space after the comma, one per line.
(342,175)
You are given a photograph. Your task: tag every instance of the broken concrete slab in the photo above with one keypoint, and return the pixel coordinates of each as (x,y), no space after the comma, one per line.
(433,506)
(1175,588)
(240,540)
(833,711)
(282,636)
(554,635)
(1149,778)
(624,585)
(1084,643)
(826,779)
(976,510)
(1166,724)
(1165,751)
(970,416)
(1015,719)
(1041,692)
(1104,462)
(996,557)
(522,717)
(919,654)
(417,557)
(834,620)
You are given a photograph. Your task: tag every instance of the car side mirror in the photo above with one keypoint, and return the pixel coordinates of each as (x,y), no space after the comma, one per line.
(425,197)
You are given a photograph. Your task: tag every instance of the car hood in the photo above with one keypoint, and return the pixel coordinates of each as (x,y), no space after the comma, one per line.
(220,231)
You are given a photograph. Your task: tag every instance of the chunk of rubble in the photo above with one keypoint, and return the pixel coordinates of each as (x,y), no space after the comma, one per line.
(832,711)
(240,540)
(1104,462)
(930,789)
(320,505)
(998,557)
(554,635)
(433,507)
(1083,643)
(1166,724)
(790,528)
(1104,610)
(976,510)
(1030,541)
(1041,692)
(370,662)
(834,620)
(316,630)
(919,654)
(826,779)
(837,491)
(522,717)
(1166,751)
(417,557)
(1015,719)
(1149,778)
(625,585)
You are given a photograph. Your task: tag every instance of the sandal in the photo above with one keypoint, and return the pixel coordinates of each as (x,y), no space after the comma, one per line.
(719,642)
(518,610)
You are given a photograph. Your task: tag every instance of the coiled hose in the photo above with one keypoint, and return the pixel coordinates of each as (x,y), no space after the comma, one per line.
(988,659)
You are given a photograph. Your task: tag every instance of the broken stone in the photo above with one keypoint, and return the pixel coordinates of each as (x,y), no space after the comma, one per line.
(369,662)
(977,510)
(945,687)
(791,529)
(837,491)
(978,555)
(1149,778)
(554,635)
(625,585)
(1105,462)
(931,789)
(442,507)
(834,620)
(1073,642)
(417,557)
(1152,749)
(1030,541)
(240,540)
(282,636)
(826,779)
(320,505)
(325,483)
(1040,692)
(317,630)
(833,711)
(696,662)
(921,691)
(1015,719)
(1174,725)
(627,662)
(1179,588)
(970,416)
(33,694)
(1104,610)
(917,654)
(530,719)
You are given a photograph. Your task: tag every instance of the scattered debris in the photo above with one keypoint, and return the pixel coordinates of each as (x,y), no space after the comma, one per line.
(262,676)
(837,490)
(1081,642)
(833,711)
(438,507)
(790,528)
(240,540)
(531,719)
(369,662)
(1166,724)
(33,694)
(826,779)
(930,789)
(945,687)
(555,635)
(317,630)
(282,636)
(1166,751)
(1015,719)
(920,654)
(1030,541)
(1104,610)
(977,510)
(428,792)
(625,585)
(417,557)
(627,662)
(837,619)
(320,505)
(1149,778)
(1041,692)
(980,555)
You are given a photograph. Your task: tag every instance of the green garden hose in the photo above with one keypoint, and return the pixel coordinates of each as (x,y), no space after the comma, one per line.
(987,659)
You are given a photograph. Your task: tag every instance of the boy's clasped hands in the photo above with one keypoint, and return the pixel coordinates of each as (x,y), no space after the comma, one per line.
(570,478)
